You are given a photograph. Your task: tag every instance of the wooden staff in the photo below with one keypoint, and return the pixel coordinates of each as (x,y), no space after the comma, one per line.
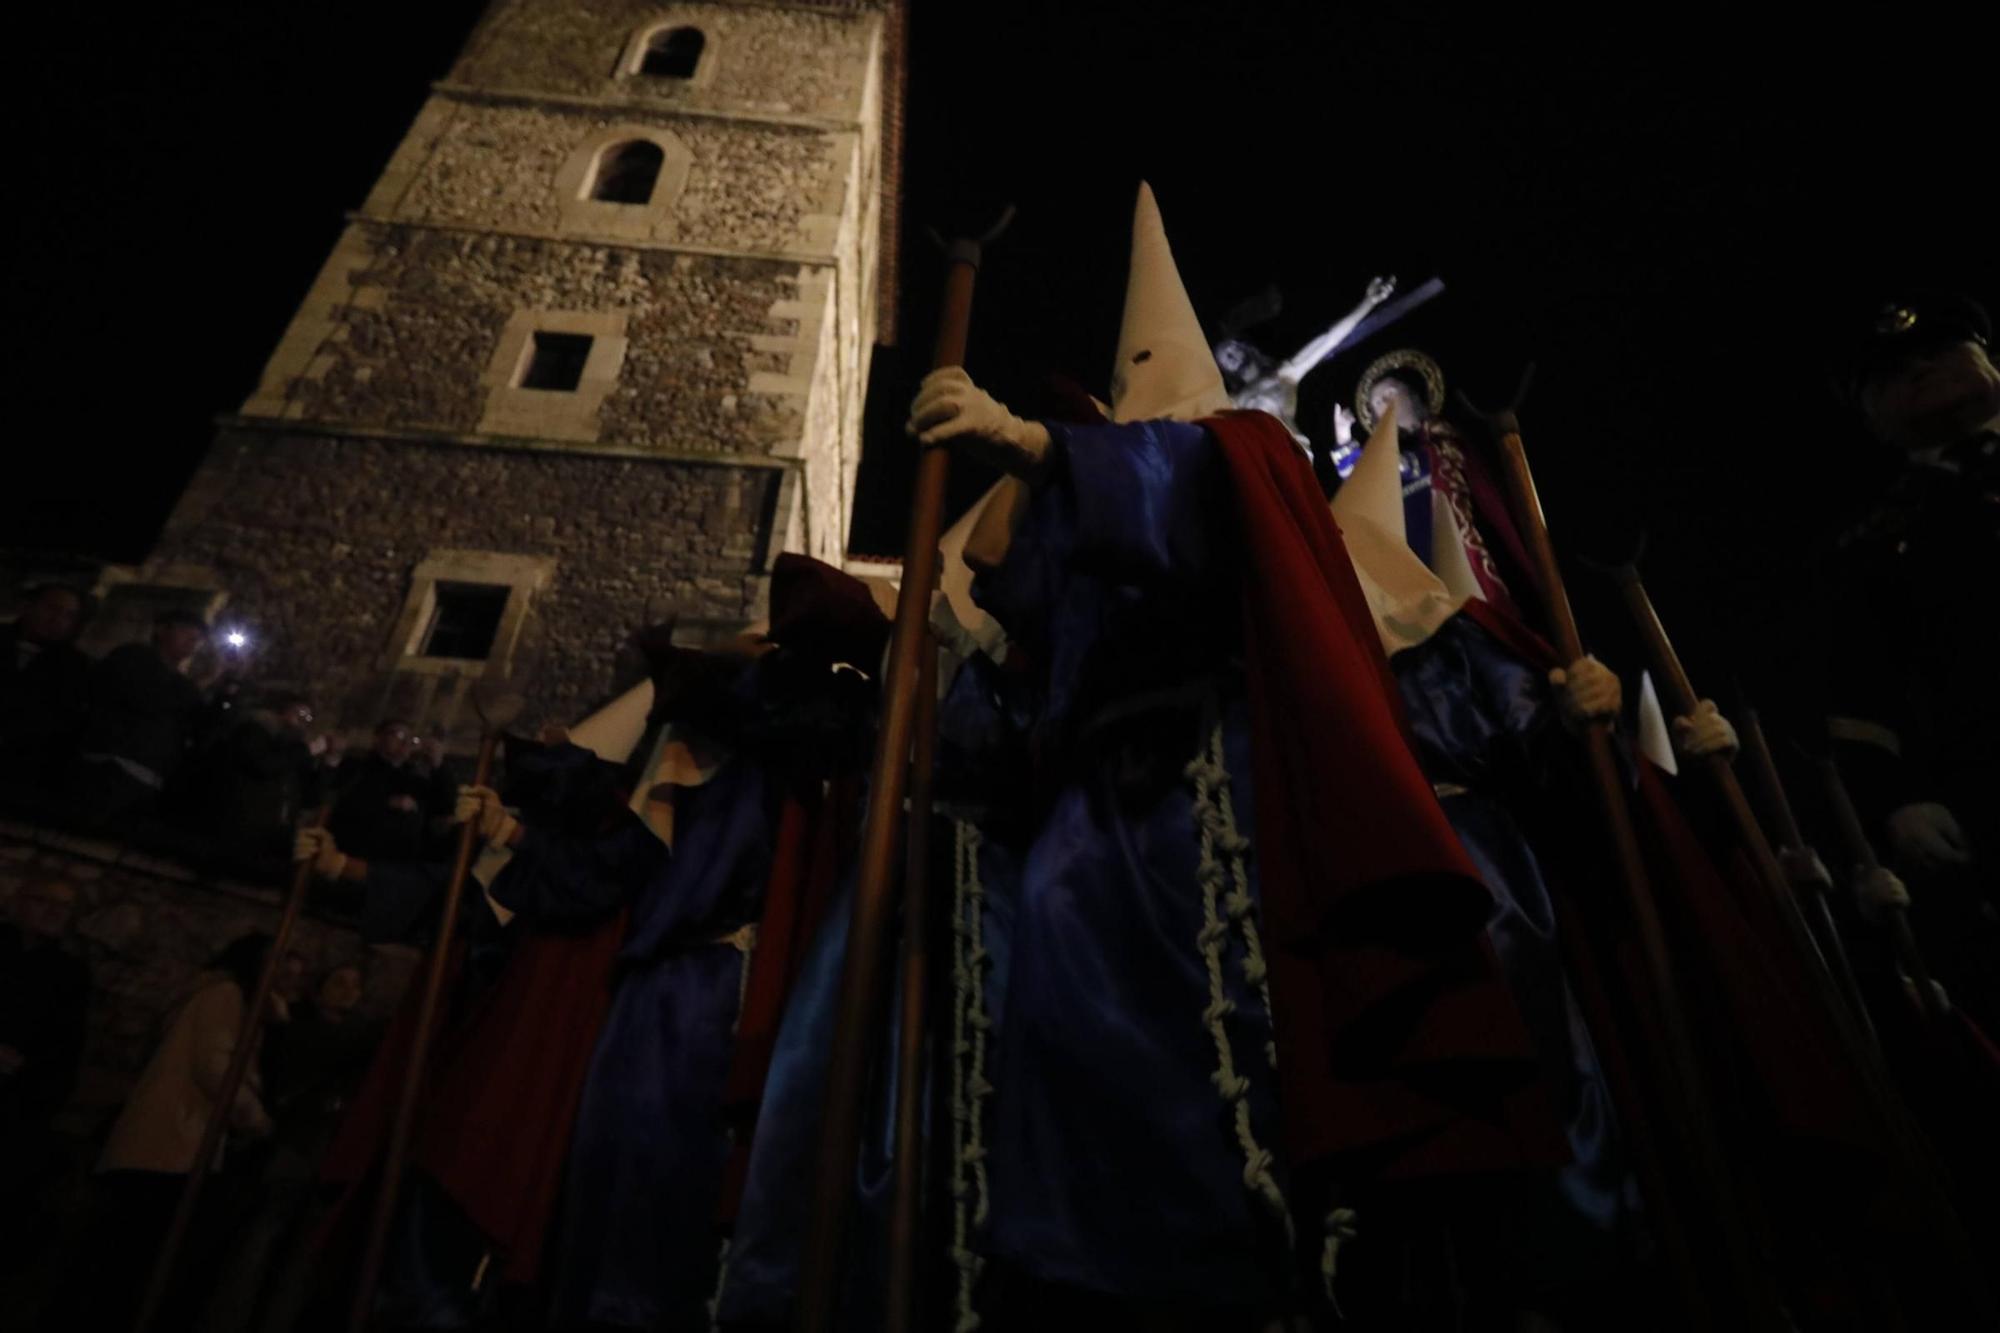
(1913,1156)
(255,1006)
(403,1127)
(1679,1076)
(1946,1235)
(1861,854)
(1721,778)
(1826,931)
(862,975)
(906,1210)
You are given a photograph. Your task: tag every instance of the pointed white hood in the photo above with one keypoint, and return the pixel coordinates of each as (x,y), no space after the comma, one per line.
(1407,600)
(1164,366)
(613,731)
(958,621)
(1655,741)
(1448,556)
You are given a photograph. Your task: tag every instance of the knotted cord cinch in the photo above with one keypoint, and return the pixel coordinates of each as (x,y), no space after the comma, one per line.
(1224,861)
(744,940)
(721,1280)
(969,1088)
(1339,1230)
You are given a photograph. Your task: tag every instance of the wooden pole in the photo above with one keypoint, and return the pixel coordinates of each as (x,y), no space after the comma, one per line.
(403,1127)
(1915,1159)
(1861,854)
(1812,893)
(906,1211)
(1743,821)
(862,976)
(1947,1238)
(1721,778)
(1679,1077)
(255,1006)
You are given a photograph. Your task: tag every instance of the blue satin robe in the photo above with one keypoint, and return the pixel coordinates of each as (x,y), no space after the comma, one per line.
(1114,1163)
(638,1242)
(1480,718)
(771,1225)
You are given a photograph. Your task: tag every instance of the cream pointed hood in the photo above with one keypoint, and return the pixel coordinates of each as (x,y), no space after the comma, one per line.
(613,731)
(1655,740)
(960,623)
(1407,600)
(1164,366)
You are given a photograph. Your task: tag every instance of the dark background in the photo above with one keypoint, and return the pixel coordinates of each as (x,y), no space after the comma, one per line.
(1672,217)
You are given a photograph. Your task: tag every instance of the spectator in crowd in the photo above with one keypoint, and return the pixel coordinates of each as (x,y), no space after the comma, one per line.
(427,764)
(387,802)
(143,708)
(154,1143)
(44,687)
(44,991)
(290,986)
(259,780)
(312,1063)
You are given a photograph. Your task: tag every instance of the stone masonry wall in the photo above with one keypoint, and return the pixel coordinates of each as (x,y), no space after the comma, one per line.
(425,310)
(749,186)
(146,927)
(758,58)
(829,496)
(316,537)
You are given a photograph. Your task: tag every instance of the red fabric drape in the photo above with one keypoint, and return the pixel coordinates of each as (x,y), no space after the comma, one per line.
(815,843)
(1400,1049)
(507,1077)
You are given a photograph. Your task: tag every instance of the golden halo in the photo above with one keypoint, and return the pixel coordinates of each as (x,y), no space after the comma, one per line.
(1403,358)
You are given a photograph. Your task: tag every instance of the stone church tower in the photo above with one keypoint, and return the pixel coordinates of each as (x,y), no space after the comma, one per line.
(589,355)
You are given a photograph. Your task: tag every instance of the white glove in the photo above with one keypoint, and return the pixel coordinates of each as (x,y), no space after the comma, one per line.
(483,808)
(1804,869)
(1705,732)
(1926,835)
(1586,691)
(317,846)
(953,411)
(1878,890)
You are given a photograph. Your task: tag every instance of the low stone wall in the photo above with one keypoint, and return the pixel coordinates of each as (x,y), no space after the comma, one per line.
(146,926)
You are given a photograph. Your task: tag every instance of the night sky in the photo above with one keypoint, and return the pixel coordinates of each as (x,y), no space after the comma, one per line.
(1669,214)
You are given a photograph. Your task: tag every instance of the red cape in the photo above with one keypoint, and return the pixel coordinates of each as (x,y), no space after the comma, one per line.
(1819,1166)
(1757,1002)
(494,1124)
(1400,1050)
(815,843)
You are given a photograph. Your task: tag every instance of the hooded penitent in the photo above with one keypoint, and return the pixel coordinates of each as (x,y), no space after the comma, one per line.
(1164,367)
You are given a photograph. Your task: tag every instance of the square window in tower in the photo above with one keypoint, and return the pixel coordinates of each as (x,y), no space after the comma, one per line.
(555,361)
(465,620)
(672,53)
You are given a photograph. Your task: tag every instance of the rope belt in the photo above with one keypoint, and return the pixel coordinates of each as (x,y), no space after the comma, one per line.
(1224,863)
(1225,857)
(969,1088)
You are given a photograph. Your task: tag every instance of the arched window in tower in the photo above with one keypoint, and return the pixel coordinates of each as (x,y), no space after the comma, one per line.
(672,53)
(627,172)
